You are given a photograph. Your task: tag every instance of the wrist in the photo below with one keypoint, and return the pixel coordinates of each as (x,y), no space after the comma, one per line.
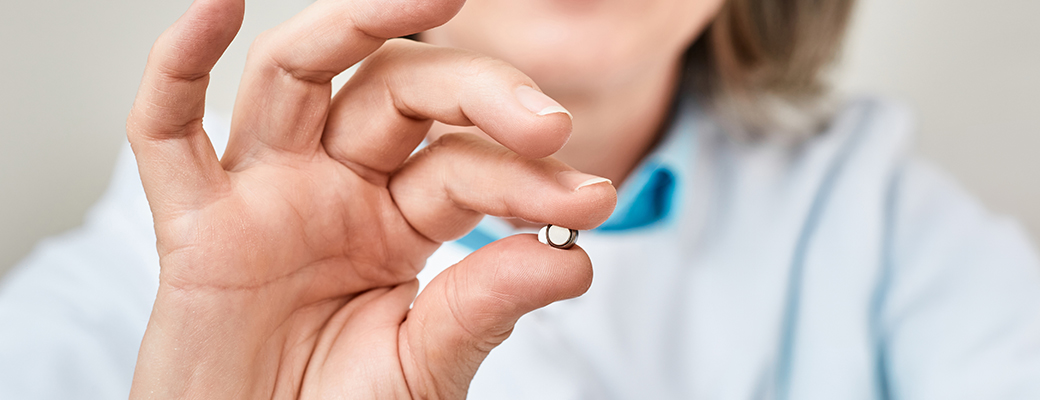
(197,344)
(218,343)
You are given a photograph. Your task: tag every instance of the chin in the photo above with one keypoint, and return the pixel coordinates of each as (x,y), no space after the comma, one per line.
(577,45)
(560,57)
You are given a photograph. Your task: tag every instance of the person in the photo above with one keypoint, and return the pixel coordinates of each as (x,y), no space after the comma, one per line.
(766,241)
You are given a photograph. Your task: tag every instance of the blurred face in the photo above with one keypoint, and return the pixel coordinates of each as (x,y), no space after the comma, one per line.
(573,46)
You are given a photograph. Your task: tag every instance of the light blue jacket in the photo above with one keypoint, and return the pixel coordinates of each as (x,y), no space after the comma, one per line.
(837,269)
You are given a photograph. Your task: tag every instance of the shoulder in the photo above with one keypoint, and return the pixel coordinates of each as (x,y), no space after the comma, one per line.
(841,175)
(866,160)
(871,149)
(857,186)
(957,291)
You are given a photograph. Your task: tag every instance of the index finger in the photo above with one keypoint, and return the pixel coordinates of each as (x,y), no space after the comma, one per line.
(286,87)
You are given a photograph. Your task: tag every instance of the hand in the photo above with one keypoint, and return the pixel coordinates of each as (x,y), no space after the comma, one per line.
(288,266)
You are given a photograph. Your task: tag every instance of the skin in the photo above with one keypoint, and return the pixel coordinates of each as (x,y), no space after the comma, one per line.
(614,64)
(288,265)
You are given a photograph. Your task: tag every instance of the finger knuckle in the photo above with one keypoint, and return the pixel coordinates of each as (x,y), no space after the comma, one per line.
(261,43)
(482,315)
(481,67)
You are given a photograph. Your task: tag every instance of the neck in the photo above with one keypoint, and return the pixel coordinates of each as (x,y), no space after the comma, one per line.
(616,126)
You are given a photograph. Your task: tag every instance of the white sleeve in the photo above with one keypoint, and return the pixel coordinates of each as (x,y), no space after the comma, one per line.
(961,316)
(73,313)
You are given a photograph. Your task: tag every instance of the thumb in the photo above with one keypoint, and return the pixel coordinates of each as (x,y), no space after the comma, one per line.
(472,307)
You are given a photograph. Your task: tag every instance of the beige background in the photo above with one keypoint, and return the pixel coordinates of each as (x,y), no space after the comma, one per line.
(70,69)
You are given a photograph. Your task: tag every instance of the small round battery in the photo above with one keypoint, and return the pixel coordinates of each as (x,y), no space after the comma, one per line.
(558,236)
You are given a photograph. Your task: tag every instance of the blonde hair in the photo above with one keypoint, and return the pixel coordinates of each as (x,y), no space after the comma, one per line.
(760,64)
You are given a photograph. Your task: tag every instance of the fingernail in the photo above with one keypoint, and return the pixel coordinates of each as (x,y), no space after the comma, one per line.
(575,180)
(538,102)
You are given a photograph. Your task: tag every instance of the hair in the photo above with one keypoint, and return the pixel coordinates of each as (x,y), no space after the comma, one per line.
(760,65)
